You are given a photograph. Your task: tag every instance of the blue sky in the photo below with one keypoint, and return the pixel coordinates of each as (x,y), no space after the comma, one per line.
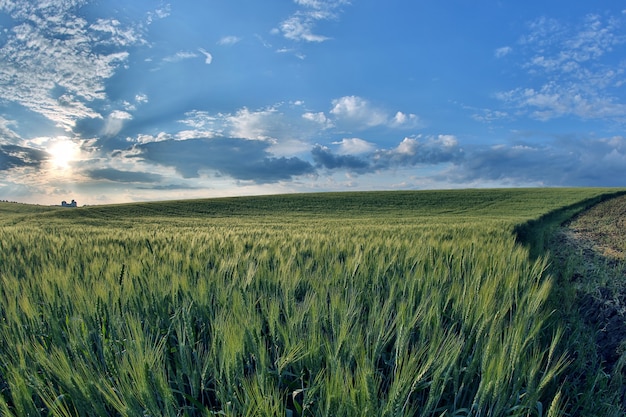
(118,101)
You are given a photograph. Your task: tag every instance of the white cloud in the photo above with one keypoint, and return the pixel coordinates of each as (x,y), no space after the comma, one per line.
(322,6)
(194,134)
(121,115)
(554,100)
(503,51)
(143,138)
(575,68)
(358,110)
(160,13)
(112,32)
(276,122)
(448,141)
(404,120)
(288,147)
(141,98)
(199,119)
(114,123)
(319,118)
(258,125)
(7,135)
(300,26)
(207,55)
(203,124)
(269,124)
(287,135)
(317,4)
(354,146)
(408,146)
(264,124)
(411,146)
(184,55)
(229,40)
(52,63)
(411,152)
(555,45)
(180,56)
(360,113)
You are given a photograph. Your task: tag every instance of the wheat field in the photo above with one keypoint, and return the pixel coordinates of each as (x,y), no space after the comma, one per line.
(352,304)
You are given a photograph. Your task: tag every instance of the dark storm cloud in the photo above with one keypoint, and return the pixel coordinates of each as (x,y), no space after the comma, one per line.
(238,158)
(115,175)
(14,156)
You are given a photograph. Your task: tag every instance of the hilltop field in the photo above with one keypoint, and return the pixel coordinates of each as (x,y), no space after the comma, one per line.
(507,302)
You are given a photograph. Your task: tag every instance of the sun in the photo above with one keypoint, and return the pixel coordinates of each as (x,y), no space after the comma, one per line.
(62,153)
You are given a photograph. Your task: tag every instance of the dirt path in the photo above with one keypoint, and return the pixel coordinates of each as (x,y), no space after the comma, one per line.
(599,236)
(590,252)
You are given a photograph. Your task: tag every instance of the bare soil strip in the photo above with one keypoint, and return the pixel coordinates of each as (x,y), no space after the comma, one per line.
(591,252)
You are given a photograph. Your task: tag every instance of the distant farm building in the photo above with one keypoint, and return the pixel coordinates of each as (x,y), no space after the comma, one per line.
(66,204)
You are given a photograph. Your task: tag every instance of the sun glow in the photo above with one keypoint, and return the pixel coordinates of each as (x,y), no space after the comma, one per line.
(62,153)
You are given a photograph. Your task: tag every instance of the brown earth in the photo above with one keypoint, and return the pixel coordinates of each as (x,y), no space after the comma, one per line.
(590,251)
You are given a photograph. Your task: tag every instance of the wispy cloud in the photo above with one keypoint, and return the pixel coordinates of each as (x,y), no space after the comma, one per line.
(299,28)
(503,51)
(229,40)
(556,100)
(56,63)
(301,25)
(7,135)
(115,122)
(486,115)
(576,67)
(180,56)
(208,58)
(160,13)
(269,124)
